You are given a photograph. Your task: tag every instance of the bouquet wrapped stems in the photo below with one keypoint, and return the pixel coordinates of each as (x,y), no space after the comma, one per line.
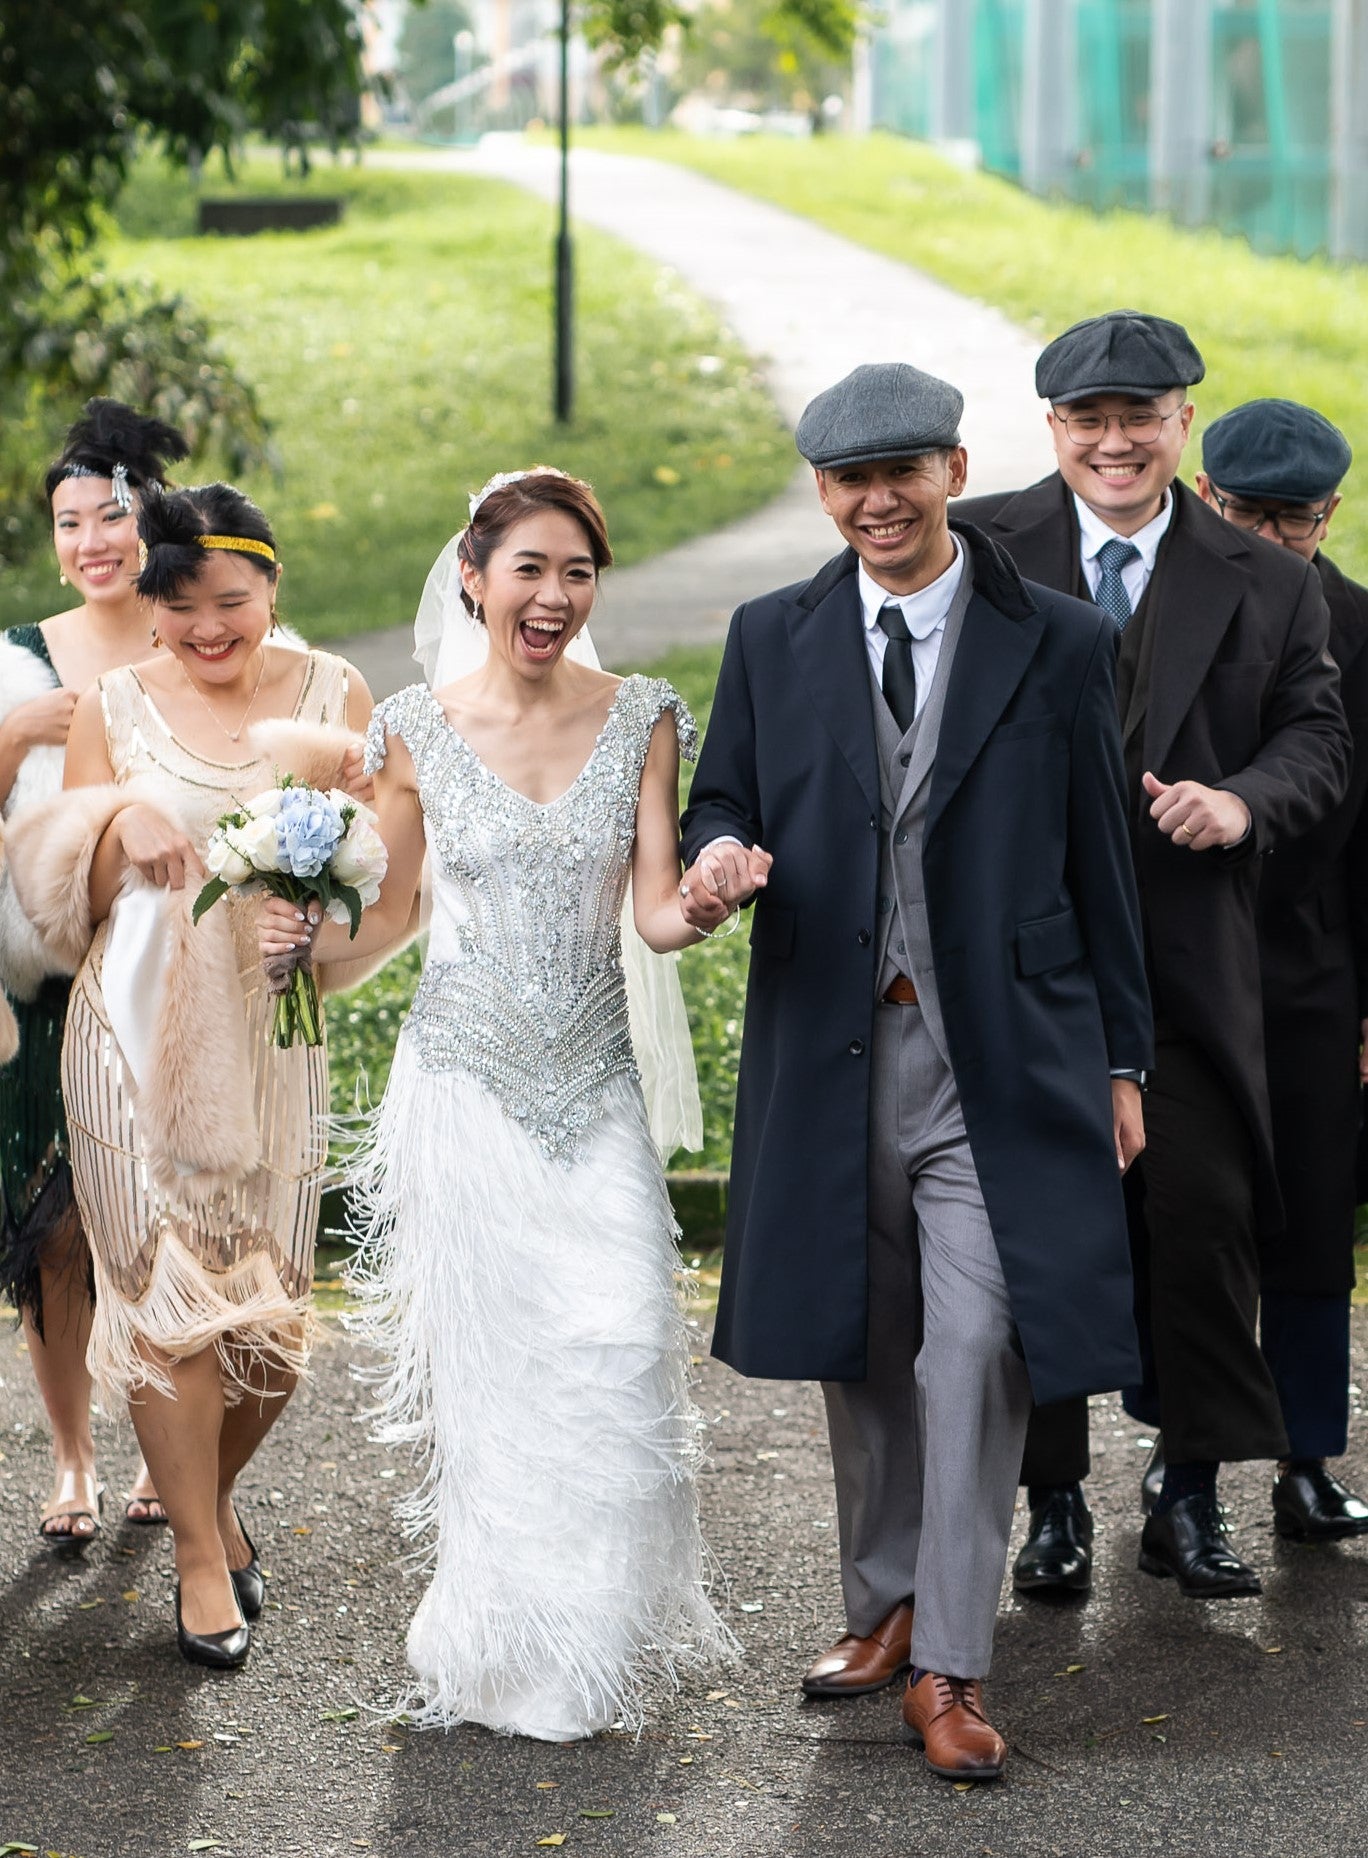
(298,1015)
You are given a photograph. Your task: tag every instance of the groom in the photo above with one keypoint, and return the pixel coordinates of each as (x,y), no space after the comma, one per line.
(946,1025)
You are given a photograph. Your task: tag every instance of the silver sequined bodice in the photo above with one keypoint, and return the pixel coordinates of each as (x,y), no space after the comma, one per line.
(523,986)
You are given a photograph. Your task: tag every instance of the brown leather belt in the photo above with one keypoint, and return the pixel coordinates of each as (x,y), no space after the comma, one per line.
(900,992)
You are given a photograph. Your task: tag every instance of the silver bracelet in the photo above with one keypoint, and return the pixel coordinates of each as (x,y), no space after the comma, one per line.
(728,926)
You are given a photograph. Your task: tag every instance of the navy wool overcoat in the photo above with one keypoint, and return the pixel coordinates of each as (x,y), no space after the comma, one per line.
(1036,944)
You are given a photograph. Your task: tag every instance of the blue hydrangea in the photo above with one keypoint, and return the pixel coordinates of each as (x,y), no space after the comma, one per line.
(308,831)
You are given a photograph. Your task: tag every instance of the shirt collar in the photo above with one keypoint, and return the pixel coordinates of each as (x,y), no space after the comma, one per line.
(1093,532)
(925,611)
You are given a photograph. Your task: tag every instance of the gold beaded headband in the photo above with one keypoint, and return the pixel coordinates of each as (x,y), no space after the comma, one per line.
(240,544)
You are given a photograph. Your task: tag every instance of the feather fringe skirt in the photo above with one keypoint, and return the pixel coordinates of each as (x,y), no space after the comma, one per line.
(534,1363)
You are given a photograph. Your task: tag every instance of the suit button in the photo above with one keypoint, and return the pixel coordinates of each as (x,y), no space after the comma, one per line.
(885,905)
(902,838)
(903,760)
(863,938)
(856,1047)
(873,823)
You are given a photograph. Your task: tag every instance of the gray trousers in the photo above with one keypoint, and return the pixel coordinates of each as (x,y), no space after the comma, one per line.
(927,1449)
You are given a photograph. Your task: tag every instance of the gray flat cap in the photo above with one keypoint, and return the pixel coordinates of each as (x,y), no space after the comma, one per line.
(1123,352)
(885,409)
(1275,448)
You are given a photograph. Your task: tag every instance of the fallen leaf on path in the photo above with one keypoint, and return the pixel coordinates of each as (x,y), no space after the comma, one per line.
(15,1845)
(596,1812)
(101,1735)
(1271,1651)
(752,1606)
(686,1761)
(132,1596)
(547,1786)
(716,1696)
(964,1786)
(666,1819)
(1155,1719)
(86,1606)
(552,1838)
(303,1529)
(340,1716)
(204,1845)
(83,1703)
(189,1745)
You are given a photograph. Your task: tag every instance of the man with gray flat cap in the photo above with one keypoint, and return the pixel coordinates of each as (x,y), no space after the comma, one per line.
(1235,744)
(925,1210)
(1274,468)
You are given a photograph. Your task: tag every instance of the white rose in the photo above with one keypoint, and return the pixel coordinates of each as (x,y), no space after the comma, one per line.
(256,842)
(221,860)
(266,805)
(361,858)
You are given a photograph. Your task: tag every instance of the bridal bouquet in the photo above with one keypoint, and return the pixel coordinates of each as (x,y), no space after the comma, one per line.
(303,845)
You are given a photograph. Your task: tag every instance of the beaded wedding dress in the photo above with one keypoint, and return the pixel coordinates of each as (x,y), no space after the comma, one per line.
(517,1266)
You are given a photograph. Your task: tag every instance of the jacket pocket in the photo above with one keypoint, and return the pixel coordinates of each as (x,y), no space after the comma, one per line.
(1025,725)
(1048,942)
(772,928)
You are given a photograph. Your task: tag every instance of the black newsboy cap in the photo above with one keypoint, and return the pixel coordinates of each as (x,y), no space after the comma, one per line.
(1123,352)
(885,409)
(1275,448)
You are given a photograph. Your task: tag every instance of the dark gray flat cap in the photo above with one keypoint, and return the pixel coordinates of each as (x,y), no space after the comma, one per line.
(884,409)
(1123,352)
(1275,448)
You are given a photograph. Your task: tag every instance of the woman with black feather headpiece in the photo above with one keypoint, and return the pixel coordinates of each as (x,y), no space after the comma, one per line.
(111,455)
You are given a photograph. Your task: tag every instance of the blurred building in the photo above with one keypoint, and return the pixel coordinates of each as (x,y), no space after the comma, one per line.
(1251,115)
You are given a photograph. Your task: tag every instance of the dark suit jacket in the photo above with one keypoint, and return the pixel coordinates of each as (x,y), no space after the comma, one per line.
(1313,941)
(1243,695)
(1036,945)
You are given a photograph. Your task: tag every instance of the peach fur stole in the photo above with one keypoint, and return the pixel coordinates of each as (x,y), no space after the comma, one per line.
(199,1142)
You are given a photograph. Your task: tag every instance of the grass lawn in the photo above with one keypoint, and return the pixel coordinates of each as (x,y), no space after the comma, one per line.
(1265,325)
(403,357)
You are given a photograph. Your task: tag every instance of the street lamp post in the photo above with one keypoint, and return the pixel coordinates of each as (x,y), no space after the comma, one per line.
(565,277)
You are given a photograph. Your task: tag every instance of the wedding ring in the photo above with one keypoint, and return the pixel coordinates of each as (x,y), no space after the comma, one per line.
(1188,830)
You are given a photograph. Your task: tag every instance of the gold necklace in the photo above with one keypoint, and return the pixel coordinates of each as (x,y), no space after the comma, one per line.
(233,735)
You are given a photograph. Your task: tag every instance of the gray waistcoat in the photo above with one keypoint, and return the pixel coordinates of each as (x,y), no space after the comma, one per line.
(905,767)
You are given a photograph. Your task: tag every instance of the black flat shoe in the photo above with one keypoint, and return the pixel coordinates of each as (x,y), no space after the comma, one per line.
(1188,1543)
(221,1651)
(249,1582)
(1152,1480)
(1311,1505)
(1057,1554)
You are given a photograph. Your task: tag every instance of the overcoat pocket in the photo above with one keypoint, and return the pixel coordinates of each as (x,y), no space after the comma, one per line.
(1048,942)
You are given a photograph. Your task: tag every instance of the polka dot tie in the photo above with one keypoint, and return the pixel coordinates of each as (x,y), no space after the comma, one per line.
(1111,593)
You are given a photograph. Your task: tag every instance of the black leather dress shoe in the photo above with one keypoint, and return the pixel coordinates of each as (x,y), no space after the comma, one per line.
(222,1651)
(1152,1480)
(249,1582)
(1057,1554)
(1188,1542)
(1309,1505)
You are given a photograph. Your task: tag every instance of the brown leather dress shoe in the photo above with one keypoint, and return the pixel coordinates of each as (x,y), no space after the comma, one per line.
(945,1714)
(853,1667)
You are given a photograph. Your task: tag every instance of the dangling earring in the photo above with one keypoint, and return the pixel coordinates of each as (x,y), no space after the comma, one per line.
(156,641)
(476,615)
(62,580)
(274,621)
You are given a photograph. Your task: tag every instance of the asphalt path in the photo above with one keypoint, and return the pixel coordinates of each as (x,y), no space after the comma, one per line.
(1138,1722)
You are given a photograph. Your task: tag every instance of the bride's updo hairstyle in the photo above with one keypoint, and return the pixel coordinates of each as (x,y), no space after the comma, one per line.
(112,440)
(179,528)
(505,501)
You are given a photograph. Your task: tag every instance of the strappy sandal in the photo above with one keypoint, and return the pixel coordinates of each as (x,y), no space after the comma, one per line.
(78,1495)
(149,1520)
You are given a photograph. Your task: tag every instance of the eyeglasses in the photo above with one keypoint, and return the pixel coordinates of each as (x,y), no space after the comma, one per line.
(1140,423)
(1293,525)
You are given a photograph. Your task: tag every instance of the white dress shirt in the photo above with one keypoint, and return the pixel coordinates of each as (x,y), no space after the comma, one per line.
(924,612)
(1093,532)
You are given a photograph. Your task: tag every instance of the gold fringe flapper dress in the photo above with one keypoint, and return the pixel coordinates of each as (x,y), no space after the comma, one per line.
(233,1272)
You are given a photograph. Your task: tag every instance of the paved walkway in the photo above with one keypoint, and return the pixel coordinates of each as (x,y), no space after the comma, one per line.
(1138,1723)
(810,306)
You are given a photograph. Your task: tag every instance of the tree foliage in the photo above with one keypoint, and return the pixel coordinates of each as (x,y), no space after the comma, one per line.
(624,30)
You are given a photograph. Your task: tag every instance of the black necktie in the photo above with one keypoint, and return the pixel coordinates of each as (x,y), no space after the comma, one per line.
(899,675)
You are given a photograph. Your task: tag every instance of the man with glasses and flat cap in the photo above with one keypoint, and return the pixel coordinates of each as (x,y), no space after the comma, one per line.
(1274,468)
(925,1210)
(1235,744)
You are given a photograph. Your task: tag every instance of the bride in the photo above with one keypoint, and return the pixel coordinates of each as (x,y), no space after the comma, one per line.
(517,1264)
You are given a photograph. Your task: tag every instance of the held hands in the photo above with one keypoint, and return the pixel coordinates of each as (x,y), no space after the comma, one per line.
(721,879)
(1128,1121)
(157,850)
(1194,816)
(283,928)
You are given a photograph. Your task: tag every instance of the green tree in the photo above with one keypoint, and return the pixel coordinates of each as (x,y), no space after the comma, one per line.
(426,57)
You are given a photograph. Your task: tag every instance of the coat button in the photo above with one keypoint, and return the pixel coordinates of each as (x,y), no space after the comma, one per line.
(903,760)
(863,938)
(902,838)
(856,1047)
(873,823)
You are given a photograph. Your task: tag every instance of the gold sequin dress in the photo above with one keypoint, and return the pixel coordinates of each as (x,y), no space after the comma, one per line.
(235,1273)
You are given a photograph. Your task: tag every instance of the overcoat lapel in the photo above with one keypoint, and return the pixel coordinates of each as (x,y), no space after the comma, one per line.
(1044,533)
(990,661)
(826,636)
(1202,564)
